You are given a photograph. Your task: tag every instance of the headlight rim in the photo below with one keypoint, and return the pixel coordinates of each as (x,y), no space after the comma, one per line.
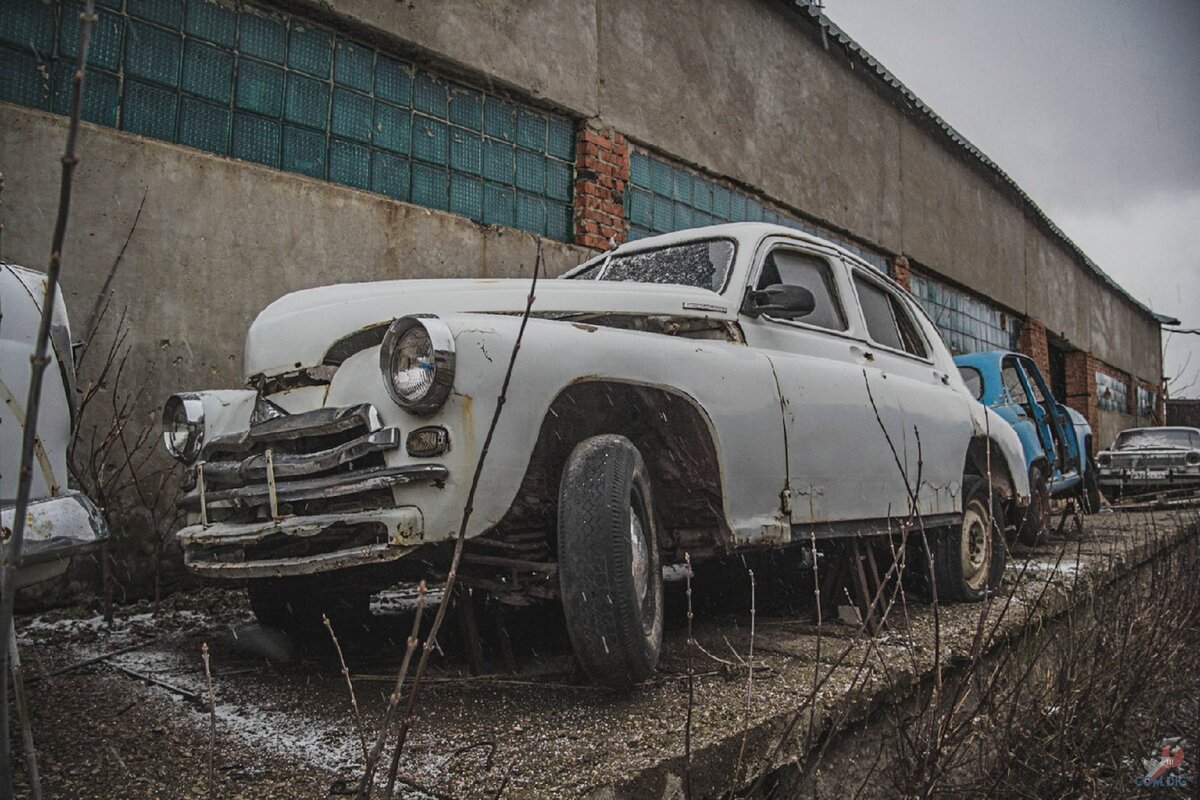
(193,408)
(441,339)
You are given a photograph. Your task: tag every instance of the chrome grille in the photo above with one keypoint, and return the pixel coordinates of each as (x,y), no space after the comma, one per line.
(1148,460)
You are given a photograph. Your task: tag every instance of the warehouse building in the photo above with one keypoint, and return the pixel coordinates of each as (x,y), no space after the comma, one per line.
(263,148)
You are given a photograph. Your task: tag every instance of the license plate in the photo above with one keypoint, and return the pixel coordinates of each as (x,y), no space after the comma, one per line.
(1148,474)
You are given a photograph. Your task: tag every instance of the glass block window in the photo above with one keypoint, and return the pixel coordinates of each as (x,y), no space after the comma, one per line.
(665,196)
(967,324)
(273,88)
(1147,402)
(1112,394)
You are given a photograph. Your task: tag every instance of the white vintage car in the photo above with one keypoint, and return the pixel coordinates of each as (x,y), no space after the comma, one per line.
(705,392)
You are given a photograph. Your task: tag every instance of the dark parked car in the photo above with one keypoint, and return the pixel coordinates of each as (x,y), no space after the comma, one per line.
(1151,459)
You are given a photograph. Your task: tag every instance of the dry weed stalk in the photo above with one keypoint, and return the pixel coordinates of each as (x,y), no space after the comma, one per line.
(212,720)
(358,723)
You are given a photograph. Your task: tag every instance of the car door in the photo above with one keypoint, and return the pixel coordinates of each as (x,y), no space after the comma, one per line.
(928,421)
(1053,423)
(839,468)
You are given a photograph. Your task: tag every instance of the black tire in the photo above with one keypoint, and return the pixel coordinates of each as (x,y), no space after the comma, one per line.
(296,605)
(969,558)
(1089,494)
(612,601)
(1032,530)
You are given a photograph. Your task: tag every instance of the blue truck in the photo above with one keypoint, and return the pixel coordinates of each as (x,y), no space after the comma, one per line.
(1057,440)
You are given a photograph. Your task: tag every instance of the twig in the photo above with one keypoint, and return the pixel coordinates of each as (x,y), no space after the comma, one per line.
(691,683)
(38,363)
(368,778)
(737,771)
(212,719)
(358,724)
(468,508)
(102,299)
(94,660)
(22,703)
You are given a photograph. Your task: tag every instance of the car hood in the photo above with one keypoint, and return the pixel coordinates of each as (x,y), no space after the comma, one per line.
(296,330)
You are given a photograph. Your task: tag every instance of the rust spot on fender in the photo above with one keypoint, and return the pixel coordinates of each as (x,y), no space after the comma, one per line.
(585,328)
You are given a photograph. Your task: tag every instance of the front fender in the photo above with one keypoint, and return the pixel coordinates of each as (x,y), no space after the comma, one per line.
(1007,444)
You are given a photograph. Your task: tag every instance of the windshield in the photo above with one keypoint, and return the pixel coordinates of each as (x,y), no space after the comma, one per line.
(1147,438)
(702,264)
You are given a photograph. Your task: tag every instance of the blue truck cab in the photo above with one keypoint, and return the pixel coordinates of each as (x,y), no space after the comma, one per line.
(1057,440)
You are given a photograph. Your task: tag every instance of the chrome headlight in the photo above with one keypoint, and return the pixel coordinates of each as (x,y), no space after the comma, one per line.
(183,426)
(417,361)
(1104,459)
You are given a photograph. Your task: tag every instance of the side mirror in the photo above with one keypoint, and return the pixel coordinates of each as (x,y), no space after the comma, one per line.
(782,300)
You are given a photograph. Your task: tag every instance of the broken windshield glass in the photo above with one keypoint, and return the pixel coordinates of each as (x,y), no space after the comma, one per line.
(1147,438)
(702,264)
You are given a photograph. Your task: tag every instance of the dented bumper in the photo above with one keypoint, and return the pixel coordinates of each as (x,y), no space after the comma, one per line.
(56,530)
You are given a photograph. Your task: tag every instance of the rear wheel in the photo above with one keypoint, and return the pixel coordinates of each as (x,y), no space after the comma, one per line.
(969,559)
(610,576)
(1033,527)
(1090,491)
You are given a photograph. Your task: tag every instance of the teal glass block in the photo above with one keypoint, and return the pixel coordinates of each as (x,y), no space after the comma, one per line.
(430,186)
(466,196)
(256,139)
(29,24)
(310,49)
(754,211)
(737,208)
(636,233)
(389,175)
(681,188)
(661,181)
(531,213)
(702,194)
(393,81)
(683,217)
(307,102)
(639,170)
(430,95)
(264,35)
(352,116)
(498,205)
(559,222)
(531,171)
(350,164)
(641,207)
(104,48)
(700,219)
(720,202)
(771,217)
(164,12)
(531,130)
(392,127)
(558,180)
(500,119)
(466,108)
(259,88)
(353,65)
(497,161)
(465,151)
(430,142)
(149,110)
(663,218)
(153,54)
(204,126)
(211,21)
(23,79)
(207,72)
(560,138)
(303,151)
(101,94)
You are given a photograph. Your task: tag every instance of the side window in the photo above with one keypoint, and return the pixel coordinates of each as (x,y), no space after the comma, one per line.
(813,273)
(973,378)
(1013,385)
(888,322)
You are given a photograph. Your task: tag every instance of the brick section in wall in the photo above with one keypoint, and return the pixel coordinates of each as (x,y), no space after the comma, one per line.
(1032,342)
(601,174)
(902,273)
(1081,385)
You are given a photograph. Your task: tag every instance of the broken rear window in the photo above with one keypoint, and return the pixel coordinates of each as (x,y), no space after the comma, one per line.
(702,264)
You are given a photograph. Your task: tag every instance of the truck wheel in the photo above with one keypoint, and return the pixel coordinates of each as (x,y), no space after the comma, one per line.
(969,558)
(609,572)
(1090,495)
(296,606)
(1033,527)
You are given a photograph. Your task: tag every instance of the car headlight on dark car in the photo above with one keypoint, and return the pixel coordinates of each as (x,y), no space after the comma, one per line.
(417,361)
(1104,459)
(1193,458)
(183,426)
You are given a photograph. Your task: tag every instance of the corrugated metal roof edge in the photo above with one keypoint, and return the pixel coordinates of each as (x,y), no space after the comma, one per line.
(815,15)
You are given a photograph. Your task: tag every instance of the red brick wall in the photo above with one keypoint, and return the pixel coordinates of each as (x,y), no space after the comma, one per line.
(601,173)
(902,273)
(1081,385)
(1032,342)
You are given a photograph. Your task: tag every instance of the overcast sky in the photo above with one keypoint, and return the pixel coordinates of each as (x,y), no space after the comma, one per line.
(1092,106)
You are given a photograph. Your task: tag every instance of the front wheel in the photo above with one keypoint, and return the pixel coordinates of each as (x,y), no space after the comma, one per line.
(297,605)
(609,572)
(1090,494)
(1032,530)
(969,559)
